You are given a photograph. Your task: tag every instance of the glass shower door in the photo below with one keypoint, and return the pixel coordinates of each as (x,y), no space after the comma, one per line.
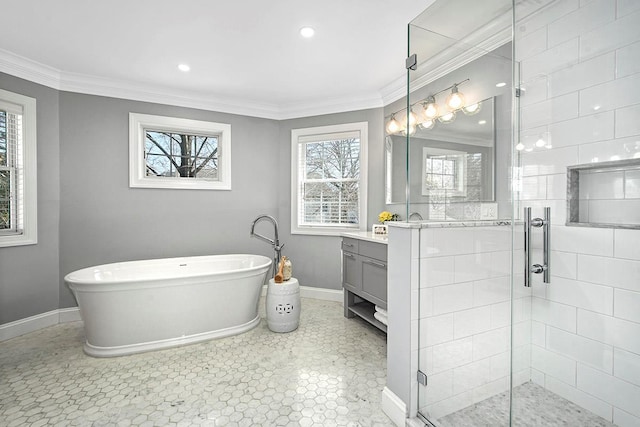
(577,151)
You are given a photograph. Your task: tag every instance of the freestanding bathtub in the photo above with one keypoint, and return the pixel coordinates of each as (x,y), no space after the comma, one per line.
(137,306)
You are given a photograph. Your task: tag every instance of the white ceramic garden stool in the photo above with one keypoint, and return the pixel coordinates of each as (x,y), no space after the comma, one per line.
(283,305)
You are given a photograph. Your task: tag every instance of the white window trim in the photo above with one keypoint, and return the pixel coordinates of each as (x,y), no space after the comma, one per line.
(29,233)
(329,230)
(138,123)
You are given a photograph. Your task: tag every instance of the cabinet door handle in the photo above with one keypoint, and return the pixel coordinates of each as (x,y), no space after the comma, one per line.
(347,244)
(350,255)
(377,264)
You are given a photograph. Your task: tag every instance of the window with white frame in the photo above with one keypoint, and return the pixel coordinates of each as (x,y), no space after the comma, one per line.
(18,174)
(168,152)
(329,179)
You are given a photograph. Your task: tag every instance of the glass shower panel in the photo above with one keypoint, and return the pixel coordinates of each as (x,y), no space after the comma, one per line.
(458,173)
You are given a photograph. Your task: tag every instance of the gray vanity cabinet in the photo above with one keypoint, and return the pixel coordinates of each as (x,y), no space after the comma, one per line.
(364,278)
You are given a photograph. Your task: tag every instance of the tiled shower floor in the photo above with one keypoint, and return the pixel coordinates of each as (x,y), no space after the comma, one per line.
(533,406)
(328,372)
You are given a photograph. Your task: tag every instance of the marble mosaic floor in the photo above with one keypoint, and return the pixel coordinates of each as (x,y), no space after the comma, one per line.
(533,406)
(328,372)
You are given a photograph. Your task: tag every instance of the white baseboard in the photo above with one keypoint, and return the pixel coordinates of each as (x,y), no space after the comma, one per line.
(394,407)
(39,321)
(317,293)
(71,314)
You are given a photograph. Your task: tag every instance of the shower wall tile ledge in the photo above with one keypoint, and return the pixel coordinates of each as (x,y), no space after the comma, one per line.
(451,224)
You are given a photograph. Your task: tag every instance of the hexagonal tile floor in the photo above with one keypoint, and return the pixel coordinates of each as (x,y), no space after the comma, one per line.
(328,372)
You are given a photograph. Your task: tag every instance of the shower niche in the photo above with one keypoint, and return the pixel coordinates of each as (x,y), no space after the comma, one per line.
(605,194)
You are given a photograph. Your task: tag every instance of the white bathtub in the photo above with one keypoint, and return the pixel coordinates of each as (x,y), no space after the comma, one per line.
(137,306)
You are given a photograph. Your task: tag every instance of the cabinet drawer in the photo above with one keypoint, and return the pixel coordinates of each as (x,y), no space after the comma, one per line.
(374,250)
(374,278)
(350,245)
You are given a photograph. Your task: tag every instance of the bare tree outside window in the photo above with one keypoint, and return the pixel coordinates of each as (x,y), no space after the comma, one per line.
(330,185)
(5,176)
(170,154)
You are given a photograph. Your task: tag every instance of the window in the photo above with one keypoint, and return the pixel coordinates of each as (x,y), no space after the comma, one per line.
(18,174)
(167,152)
(329,179)
(444,172)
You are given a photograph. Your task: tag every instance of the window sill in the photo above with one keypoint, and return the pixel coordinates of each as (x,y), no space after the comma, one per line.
(322,231)
(9,240)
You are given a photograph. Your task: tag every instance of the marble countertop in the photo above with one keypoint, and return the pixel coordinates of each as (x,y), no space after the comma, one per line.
(366,235)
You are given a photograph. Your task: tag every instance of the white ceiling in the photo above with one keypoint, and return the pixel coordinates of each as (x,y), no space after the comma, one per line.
(245,56)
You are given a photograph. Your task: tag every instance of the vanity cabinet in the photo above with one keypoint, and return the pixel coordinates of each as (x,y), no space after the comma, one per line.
(364,278)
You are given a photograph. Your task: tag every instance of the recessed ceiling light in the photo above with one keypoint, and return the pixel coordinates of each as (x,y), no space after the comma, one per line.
(482,122)
(501,84)
(184,67)
(307,32)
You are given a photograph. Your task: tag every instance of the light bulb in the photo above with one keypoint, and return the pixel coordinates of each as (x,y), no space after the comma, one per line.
(472,109)
(412,119)
(540,142)
(482,122)
(456,99)
(520,146)
(412,130)
(430,108)
(418,110)
(184,67)
(447,118)
(393,126)
(427,124)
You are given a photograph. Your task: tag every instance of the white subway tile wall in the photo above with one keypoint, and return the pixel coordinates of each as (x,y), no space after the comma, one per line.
(585,333)
(465,317)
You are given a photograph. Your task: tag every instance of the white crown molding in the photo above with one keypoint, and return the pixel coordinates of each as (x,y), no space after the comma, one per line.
(36,72)
(481,42)
(27,69)
(100,86)
(330,106)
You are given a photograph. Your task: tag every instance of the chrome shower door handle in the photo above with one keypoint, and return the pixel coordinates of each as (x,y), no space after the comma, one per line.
(529,223)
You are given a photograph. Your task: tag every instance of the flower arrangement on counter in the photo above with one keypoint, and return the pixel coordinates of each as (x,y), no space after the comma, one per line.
(385,216)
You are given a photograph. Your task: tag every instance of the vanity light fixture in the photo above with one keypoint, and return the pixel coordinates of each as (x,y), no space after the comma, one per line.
(184,68)
(307,32)
(540,143)
(425,112)
(520,146)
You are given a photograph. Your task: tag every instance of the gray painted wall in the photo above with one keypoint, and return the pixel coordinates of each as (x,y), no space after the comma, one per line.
(29,274)
(88,215)
(103,220)
(316,259)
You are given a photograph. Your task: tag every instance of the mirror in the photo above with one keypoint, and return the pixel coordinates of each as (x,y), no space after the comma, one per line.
(458,168)
(456,160)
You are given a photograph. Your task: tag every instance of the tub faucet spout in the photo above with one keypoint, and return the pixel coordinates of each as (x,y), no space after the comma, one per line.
(275,242)
(417,215)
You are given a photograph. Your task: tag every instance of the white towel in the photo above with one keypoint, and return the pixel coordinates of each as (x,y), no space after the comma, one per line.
(381,317)
(381,310)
